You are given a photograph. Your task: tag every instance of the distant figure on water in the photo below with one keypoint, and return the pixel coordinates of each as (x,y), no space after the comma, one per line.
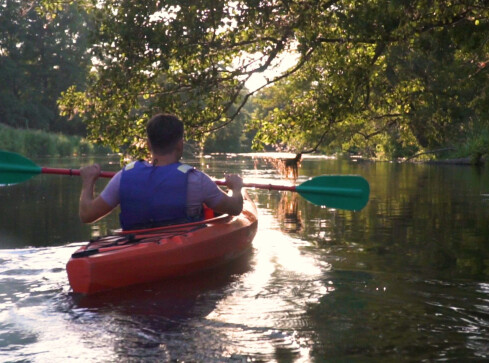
(287,167)
(292,165)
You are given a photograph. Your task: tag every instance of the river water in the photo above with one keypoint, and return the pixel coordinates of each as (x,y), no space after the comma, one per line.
(404,279)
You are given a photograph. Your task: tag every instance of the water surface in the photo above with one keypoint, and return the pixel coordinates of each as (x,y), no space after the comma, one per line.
(405,279)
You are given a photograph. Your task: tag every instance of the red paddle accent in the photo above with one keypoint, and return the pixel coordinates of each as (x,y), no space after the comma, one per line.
(76,172)
(291,188)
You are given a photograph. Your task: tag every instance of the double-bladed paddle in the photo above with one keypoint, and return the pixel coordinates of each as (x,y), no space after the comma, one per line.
(350,192)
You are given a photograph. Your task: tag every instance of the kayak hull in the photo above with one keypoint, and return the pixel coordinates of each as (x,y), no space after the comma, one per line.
(160,253)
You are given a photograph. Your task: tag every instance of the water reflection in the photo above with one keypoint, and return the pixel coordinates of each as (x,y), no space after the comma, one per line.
(176,299)
(289,214)
(404,279)
(160,320)
(43,211)
(399,319)
(264,314)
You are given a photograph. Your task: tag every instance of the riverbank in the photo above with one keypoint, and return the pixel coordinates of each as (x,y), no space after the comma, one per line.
(460,161)
(477,160)
(37,143)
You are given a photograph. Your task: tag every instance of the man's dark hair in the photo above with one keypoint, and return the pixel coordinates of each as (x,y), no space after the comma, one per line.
(164,131)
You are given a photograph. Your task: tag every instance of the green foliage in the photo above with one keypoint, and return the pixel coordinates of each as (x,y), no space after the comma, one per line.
(232,138)
(475,146)
(35,143)
(403,79)
(40,56)
(388,78)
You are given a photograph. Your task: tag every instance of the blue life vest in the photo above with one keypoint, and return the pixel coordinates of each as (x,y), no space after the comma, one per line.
(151,196)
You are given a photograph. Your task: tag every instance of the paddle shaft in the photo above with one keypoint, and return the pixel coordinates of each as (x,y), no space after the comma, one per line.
(73,172)
(262,186)
(110,174)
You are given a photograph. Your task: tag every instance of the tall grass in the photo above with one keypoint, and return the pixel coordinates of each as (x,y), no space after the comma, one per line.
(474,147)
(34,143)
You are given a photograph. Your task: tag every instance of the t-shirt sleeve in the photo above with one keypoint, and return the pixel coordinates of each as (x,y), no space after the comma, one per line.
(202,189)
(110,194)
(212,193)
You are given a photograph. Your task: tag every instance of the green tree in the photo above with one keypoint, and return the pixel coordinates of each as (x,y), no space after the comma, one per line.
(235,137)
(174,56)
(386,76)
(389,77)
(40,56)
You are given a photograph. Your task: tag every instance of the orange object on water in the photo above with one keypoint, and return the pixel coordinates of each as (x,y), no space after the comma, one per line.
(134,257)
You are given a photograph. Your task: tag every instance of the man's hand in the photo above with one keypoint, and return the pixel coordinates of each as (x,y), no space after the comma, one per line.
(234,182)
(90,174)
(231,203)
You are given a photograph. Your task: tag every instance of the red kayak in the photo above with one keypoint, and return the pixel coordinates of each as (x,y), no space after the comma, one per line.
(133,257)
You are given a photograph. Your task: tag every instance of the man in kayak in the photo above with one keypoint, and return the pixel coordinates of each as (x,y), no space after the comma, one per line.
(161,192)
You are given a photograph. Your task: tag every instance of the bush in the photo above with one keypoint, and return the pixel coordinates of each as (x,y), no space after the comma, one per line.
(11,140)
(475,146)
(35,143)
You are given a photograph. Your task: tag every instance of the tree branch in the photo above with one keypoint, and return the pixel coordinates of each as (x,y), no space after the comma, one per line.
(321,139)
(231,118)
(436,151)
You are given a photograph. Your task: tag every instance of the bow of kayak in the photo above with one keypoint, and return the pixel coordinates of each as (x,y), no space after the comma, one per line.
(134,257)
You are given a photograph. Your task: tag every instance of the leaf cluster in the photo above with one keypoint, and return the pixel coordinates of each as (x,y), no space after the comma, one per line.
(40,56)
(389,78)
(369,74)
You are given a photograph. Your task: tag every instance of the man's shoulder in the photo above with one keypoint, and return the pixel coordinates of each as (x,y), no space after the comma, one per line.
(196,173)
(185,168)
(135,164)
(198,176)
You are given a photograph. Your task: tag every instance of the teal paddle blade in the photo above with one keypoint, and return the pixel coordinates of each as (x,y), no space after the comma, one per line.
(349,192)
(15,168)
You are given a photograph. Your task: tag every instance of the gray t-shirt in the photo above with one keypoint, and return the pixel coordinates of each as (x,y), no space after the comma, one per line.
(200,189)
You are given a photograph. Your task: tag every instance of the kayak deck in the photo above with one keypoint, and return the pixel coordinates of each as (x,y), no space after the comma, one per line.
(134,257)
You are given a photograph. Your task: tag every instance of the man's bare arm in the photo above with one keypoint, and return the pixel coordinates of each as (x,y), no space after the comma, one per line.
(91,209)
(232,203)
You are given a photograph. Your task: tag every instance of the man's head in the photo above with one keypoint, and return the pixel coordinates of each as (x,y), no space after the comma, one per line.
(165,132)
